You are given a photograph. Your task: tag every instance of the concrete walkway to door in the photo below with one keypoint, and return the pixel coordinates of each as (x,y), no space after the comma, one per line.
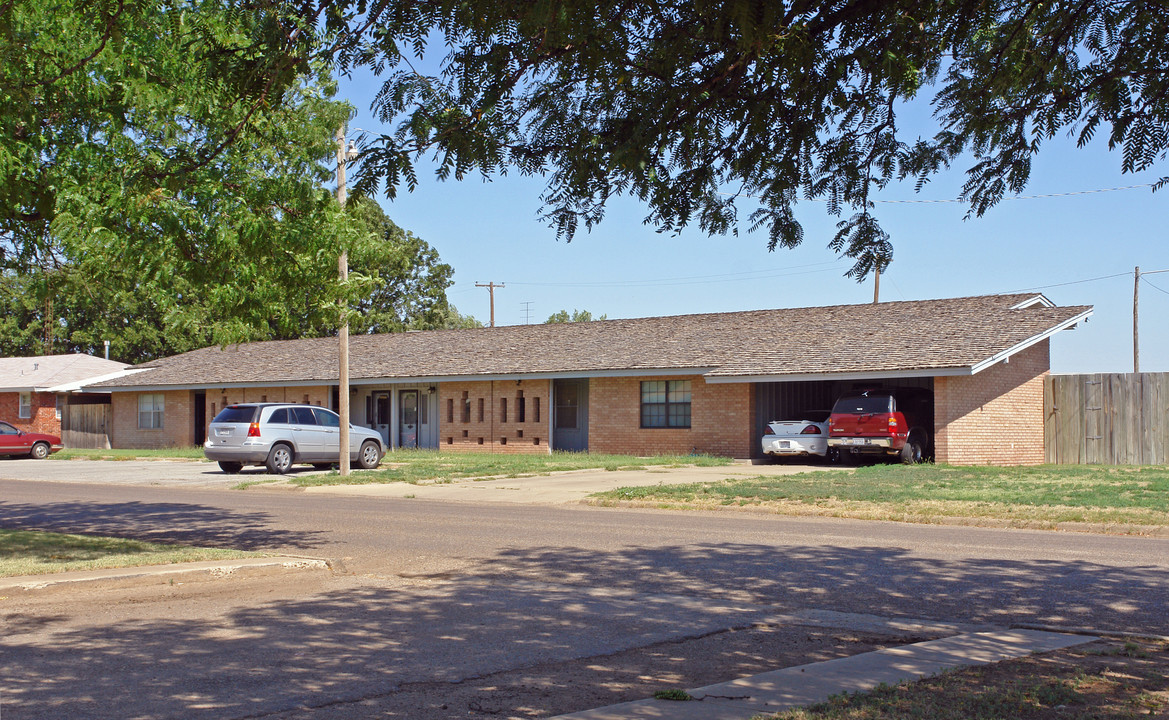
(561,487)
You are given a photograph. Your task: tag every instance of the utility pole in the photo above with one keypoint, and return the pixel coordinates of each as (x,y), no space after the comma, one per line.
(343,157)
(491,291)
(1136,295)
(876,285)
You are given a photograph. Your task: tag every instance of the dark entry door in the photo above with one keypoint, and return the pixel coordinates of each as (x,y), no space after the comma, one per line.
(408,425)
(570,419)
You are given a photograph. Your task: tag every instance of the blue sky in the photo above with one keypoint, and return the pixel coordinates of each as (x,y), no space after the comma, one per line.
(1076,249)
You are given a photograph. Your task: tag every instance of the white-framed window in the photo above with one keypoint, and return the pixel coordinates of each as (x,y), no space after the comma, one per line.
(150,411)
(665,404)
(25,409)
(60,404)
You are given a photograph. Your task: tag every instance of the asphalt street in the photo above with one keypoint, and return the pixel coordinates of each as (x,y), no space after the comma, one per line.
(425,591)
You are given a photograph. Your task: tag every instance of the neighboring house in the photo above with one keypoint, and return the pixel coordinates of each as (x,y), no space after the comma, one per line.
(34,391)
(685,384)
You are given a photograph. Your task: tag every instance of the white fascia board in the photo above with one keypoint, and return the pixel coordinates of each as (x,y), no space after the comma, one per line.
(1014,349)
(219,385)
(1038,299)
(567,374)
(83,385)
(872,375)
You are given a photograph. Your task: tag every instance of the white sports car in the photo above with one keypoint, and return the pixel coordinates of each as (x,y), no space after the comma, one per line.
(806,434)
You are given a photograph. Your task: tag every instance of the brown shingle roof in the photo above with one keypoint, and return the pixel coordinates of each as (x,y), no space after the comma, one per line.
(895,336)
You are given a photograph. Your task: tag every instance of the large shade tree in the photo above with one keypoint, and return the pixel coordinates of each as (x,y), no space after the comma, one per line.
(692,105)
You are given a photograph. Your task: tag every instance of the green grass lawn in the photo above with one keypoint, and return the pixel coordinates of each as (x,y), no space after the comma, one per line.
(1134,498)
(183,453)
(417,466)
(32,552)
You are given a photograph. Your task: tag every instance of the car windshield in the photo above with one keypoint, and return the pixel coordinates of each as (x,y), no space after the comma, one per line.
(236,414)
(863,404)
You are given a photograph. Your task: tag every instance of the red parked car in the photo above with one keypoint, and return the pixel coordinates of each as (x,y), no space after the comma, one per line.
(19,442)
(892,423)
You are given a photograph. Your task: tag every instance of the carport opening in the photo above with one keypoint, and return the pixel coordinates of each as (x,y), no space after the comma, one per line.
(782,400)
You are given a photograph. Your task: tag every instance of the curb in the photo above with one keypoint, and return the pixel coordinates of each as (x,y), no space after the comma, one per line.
(202,571)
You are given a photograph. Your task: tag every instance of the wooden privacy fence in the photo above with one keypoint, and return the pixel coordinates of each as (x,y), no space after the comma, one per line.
(85,426)
(1106,419)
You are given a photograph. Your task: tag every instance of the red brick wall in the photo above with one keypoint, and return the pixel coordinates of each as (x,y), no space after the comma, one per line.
(177,424)
(720,419)
(216,399)
(994,417)
(43,415)
(492,433)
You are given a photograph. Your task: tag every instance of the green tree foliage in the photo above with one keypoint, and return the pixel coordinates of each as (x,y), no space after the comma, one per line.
(692,105)
(563,316)
(406,281)
(160,165)
(162,186)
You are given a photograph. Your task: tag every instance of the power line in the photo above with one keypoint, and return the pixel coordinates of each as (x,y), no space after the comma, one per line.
(1152,285)
(1071,282)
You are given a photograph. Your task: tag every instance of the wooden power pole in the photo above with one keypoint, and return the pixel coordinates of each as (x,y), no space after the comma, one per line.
(1136,295)
(491,291)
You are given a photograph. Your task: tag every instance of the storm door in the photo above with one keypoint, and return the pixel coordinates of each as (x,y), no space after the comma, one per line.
(408,419)
(382,417)
(570,417)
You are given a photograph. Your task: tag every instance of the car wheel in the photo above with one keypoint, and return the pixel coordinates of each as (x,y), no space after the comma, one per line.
(39,451)
(370,455)
(911,453)
(279,459)
(231,468)
(832,457)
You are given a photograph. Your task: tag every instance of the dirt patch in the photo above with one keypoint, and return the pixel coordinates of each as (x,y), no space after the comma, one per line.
(575,685)
(1104,680)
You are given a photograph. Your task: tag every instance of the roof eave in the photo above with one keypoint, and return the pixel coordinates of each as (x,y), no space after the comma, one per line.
(843,375)
(416,380)
(1033,340)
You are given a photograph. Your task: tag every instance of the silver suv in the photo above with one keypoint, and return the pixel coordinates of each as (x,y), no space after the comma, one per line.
(277,435)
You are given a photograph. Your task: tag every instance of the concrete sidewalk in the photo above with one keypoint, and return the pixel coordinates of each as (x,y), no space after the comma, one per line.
(793,687)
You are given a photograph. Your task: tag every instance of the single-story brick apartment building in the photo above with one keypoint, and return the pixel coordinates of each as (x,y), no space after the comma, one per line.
(704,383)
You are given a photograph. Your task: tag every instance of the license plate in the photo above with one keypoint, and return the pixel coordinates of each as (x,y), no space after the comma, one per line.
(858,441)
(784,444)
(223,432)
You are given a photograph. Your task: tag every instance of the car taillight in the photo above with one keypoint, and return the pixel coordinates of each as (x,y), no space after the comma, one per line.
(254,430)
(768,431)
(811,430)
(892,422)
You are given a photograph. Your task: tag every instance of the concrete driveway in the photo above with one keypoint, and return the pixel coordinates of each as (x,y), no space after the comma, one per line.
(552,489)
(189,473)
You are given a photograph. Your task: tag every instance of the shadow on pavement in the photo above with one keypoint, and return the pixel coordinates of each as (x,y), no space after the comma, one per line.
(358,652)
(183,523)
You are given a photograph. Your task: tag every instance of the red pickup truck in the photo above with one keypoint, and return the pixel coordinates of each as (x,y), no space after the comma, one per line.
(893,422)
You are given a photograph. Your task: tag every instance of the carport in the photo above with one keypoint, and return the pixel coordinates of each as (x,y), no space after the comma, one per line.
(788,399)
